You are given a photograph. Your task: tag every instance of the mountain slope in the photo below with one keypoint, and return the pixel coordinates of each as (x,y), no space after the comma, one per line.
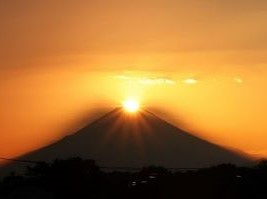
(121,139)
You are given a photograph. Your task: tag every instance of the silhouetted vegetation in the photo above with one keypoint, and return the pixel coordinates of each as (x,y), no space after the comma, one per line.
(79,178)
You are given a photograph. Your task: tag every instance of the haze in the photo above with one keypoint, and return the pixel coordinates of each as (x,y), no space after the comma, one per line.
(201,65)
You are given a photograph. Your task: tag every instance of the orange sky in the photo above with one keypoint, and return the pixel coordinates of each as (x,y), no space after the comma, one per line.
(199,64)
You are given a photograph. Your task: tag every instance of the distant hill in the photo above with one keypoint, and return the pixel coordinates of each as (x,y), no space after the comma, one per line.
(136,140)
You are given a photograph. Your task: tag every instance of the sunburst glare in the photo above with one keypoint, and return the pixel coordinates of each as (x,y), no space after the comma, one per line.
(131,105)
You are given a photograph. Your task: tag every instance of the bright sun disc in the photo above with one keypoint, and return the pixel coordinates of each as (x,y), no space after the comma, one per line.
(131,106)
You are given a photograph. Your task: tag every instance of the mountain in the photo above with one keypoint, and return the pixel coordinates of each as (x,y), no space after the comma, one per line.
(136,140)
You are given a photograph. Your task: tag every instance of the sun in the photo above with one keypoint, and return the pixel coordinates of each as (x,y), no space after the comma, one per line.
(131,106)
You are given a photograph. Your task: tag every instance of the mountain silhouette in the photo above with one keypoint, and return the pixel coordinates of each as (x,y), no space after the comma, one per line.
(135,140)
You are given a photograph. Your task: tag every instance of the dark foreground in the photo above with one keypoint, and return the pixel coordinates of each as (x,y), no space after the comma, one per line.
(78,178)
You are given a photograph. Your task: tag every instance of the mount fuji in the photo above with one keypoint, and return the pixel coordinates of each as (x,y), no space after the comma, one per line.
(136,140)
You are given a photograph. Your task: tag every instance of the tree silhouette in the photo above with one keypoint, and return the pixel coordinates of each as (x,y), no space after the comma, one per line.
(70,178)
(79,178)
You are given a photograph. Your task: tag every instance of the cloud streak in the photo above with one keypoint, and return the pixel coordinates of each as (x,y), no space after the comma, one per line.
(146,80)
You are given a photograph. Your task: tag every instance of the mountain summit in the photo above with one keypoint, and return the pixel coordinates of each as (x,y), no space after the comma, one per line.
(136,140)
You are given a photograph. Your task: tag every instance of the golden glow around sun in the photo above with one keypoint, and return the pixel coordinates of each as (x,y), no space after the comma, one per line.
(131,106)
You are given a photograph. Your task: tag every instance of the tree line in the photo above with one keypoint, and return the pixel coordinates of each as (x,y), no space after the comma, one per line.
(82,178)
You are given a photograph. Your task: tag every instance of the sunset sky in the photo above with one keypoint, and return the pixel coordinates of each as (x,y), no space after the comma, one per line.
(201,65)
